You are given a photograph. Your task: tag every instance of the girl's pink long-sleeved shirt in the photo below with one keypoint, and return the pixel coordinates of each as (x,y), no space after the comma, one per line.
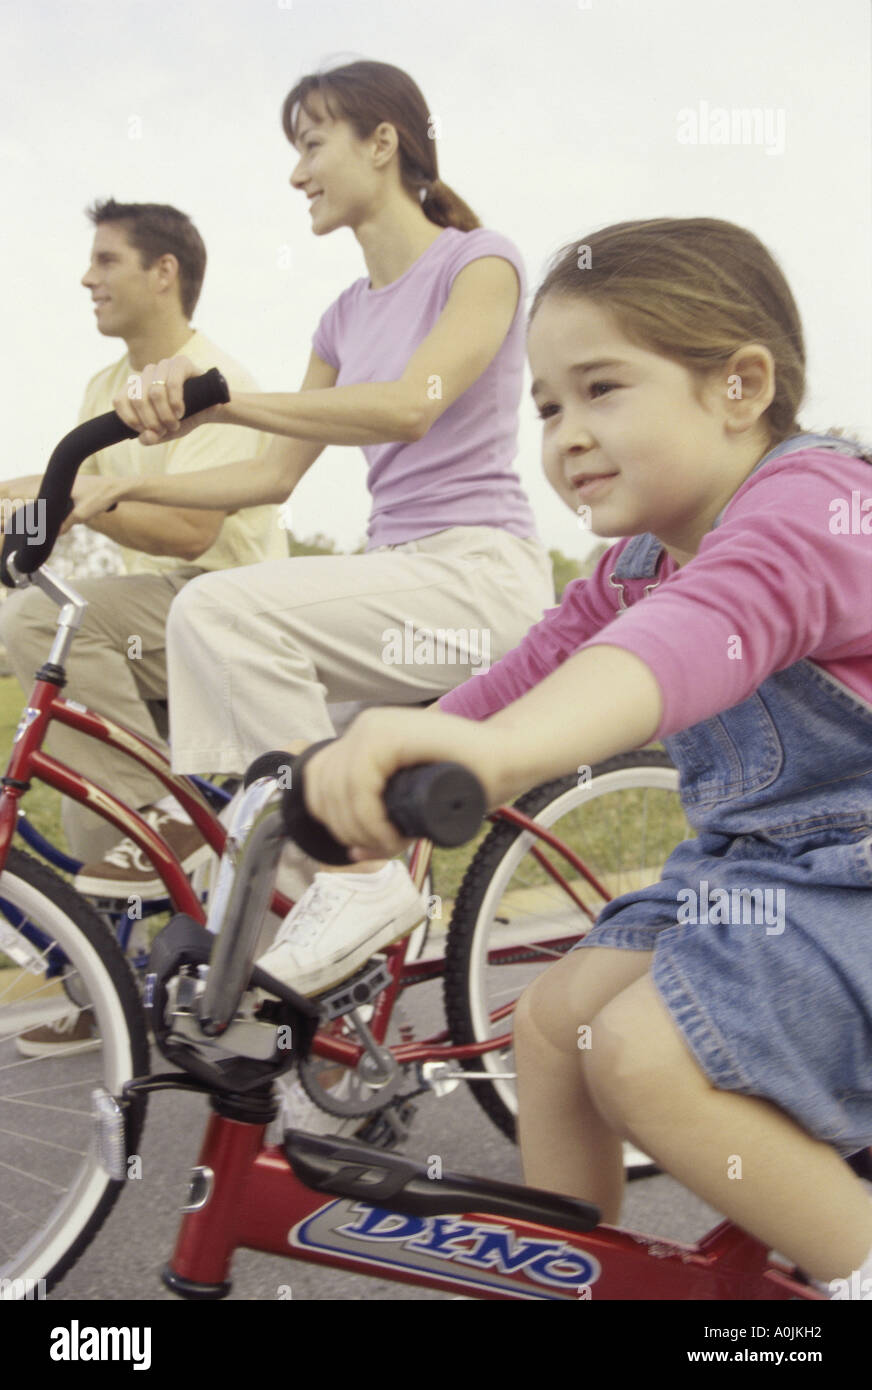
(786,575)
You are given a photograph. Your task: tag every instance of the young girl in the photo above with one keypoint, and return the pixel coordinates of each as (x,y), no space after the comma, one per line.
(734,624)
(420,363)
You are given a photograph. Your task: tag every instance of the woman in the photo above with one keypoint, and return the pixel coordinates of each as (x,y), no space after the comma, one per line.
(421,365)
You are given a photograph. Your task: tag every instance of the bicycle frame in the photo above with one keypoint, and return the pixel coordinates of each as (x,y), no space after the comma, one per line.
(339,1202)
(249,1196)
(27,760)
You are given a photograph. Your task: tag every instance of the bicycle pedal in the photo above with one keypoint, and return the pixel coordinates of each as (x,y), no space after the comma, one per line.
(354,993)
(388,1128)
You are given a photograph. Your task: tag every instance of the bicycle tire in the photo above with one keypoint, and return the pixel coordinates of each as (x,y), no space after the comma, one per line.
(481,894)
(38,906)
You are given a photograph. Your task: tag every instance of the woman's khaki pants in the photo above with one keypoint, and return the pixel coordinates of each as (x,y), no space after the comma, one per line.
(256,654)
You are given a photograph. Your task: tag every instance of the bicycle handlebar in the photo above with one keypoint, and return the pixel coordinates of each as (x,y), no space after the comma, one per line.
(442,802)
(56,487)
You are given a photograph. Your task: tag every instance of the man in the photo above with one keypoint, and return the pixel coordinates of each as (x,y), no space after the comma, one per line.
(145,276)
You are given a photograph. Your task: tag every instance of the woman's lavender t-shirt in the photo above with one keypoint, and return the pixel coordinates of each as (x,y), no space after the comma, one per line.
(460,473)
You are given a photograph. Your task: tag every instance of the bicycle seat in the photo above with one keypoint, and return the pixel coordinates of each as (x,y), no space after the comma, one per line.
(348,1168)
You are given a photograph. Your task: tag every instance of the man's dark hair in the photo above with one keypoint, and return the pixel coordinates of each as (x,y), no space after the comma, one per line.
(156,229)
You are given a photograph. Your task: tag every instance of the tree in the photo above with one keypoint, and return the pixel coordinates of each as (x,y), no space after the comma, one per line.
(318,544)
(566,569)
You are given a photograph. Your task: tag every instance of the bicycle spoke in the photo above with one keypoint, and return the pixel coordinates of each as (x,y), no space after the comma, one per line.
(10,1037)
(55,1192)
(46,985)
(31,1177)
(47,1143)
(60,1086)
(57,1109)
(10,1249)
(530,897)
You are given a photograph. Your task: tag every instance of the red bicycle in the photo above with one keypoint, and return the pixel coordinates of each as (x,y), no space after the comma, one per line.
(338,1201)
(538,880)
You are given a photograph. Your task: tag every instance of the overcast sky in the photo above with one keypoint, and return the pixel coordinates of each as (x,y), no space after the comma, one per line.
(556,117)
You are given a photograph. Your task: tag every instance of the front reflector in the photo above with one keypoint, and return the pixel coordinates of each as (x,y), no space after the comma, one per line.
(109,1134)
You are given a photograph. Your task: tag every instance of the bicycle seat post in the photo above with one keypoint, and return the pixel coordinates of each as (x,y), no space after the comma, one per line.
(242,895)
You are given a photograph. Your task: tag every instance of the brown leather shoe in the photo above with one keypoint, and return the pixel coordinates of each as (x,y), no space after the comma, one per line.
(125,871)
(75,1032)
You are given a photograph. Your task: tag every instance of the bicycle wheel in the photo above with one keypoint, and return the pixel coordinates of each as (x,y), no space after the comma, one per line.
(512,917)
(54,1192)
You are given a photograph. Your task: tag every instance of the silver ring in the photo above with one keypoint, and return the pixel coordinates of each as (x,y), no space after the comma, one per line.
(157,383)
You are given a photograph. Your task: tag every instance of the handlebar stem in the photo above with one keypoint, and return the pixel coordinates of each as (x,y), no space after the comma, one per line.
(68,599)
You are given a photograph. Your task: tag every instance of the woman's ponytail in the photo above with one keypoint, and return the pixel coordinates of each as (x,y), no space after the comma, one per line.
(443,206)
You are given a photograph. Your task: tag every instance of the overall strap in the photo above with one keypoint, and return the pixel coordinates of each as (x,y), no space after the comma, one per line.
(819,441)
(797,443)
(639,560)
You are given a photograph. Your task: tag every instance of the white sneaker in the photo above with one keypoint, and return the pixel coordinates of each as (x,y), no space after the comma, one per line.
(339,922)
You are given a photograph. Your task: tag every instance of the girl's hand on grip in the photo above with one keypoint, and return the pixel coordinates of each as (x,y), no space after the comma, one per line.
(344,783)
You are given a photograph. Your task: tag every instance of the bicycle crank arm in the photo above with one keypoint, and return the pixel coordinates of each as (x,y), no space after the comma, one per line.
(442,1082)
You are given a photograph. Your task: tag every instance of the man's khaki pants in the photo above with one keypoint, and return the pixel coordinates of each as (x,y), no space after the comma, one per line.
(256,654)
(117,662)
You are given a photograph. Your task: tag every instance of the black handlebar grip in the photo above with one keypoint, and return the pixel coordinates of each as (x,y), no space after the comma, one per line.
(201,392)
(275,764)
(442,802)
(34,528)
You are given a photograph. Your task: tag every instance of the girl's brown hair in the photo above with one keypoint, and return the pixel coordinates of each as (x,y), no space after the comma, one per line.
(364,94)
(694,290)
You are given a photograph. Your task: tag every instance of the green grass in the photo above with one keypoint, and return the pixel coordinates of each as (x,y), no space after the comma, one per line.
(43,805)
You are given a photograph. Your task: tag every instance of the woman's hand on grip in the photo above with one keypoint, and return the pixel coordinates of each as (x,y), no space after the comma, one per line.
(153,403)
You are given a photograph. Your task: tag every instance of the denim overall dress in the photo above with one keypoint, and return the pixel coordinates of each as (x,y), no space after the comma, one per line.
(770,981)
